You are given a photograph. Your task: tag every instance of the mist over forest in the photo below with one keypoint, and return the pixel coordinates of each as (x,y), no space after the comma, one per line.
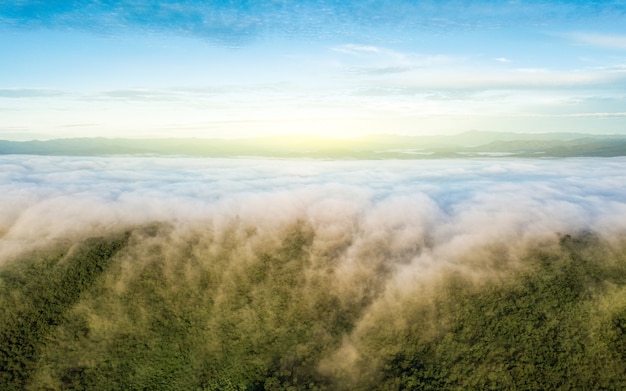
(295,274)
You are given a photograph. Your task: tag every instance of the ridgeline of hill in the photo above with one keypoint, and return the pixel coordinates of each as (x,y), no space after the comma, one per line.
(469,144)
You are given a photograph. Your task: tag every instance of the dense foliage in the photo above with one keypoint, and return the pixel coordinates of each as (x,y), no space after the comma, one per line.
(37,295)
(158,308)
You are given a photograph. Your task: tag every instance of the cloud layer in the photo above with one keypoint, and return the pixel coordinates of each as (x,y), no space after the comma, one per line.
(449,204)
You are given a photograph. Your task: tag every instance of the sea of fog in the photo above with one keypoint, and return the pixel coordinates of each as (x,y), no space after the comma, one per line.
(451,203)
(216,274)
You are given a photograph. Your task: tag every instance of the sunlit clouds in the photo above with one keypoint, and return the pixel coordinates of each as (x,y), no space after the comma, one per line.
(449,201)
(147,69)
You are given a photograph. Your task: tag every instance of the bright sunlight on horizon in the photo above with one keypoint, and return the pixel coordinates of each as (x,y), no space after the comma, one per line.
(146,69)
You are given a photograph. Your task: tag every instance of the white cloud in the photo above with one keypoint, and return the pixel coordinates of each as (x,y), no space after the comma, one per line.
(520,78)
(596,115)
(449,205)
(617,42)
(379,67)
(30,93)
(358,49)
(379,60)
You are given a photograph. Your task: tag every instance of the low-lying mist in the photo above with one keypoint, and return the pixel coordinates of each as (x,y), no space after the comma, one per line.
(245,274)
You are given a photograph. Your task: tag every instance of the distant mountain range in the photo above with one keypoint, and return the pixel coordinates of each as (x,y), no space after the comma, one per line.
(468,144)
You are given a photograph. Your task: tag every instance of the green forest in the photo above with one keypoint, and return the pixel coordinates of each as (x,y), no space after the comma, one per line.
(161,308)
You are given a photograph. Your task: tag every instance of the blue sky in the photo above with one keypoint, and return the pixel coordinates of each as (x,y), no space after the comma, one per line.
(330,68)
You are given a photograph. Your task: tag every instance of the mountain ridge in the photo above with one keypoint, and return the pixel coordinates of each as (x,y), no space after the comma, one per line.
(467,144)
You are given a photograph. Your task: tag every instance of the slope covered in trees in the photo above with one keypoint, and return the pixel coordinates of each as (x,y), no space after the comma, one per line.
(165,307)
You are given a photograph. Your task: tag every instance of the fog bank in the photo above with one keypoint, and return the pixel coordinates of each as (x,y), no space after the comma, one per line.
(270,274)
(449,204)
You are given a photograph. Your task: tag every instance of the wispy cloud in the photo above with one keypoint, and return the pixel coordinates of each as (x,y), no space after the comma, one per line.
(521,78)
(410,70)
(596,115)
(133,94)
(616,42)
(376,60)
(30,93)
(361,49)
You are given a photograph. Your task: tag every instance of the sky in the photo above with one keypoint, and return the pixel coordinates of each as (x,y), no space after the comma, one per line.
(193,68)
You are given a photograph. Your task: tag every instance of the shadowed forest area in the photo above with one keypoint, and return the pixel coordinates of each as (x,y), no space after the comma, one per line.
(162,307)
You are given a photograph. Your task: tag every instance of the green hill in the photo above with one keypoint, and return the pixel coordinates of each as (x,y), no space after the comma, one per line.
(150,308)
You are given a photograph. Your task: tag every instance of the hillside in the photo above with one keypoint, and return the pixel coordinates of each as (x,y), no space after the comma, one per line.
(153,308)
